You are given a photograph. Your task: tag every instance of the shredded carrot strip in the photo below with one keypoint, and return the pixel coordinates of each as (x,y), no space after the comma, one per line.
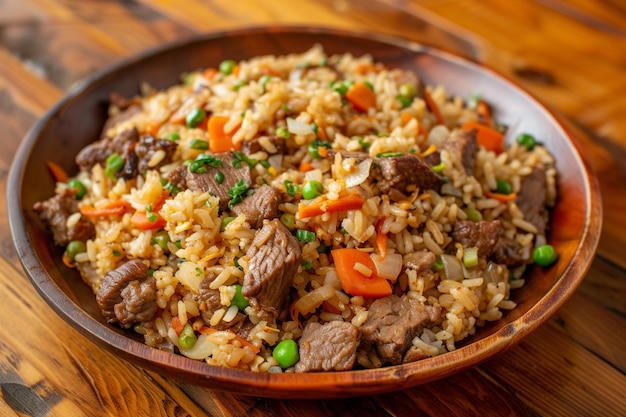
(432,106)
(326,306)
(112,208)
(429,151)
(57,172)
(348,202)
(67,262)
(293,313)
(381,238)
(503,198)
(177,325)
(490,139)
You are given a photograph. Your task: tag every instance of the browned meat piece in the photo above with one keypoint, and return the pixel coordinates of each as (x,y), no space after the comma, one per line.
(327,347)
(262,204)
(419,261)
(399,172)
(531,198)
(122,103)
(205,181)
(507,252)
(274,257)
(253,146)
(55,212)
(119,117)
(391,325)
(209,300)
(98,151)
(463,144)
(483,234)
(127,294)
(414,354)
(148,146)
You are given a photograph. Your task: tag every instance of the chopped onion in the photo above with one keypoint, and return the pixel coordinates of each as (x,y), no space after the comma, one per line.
(275,160)
(452,267)
(298,128)
(438,135)
(494,273)
(388,268)
(360,175)
(449,189)
(314,175)
(308,303)
(470,257)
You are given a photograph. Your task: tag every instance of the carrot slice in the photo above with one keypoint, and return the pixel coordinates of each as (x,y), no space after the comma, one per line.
(348,202)
(57,172)
(361,96)
(354,282)
(219,140)
(490,139)
(112,208)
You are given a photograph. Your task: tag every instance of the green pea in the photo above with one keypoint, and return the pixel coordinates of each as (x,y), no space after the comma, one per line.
(405,101)
(312,189)
(74,248)
(527,140)
(172,136)
(239,300)
(187,338)
(195,117)
(283,132)
(78,188)
(503,187)
(286,353)
(114,164)
(288,220)
(199,144)
(544,255)
(227,66)
(161,239)
(408,91)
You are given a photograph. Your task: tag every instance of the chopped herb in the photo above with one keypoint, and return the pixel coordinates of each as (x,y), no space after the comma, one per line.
(202,161)
(219,177)
(389,154)
(178,244)
(369,85)
(341,87)
(527,140)
(198,272)
(172,136)
(437,265)
(306,264)
(152,216)
(116,253)
(412,150)
(405,101)
(238,85)
(363,143)
(238,192)
(236,263)
(439,167)
(292,189)
(114,164)
(239,157)
(305,235)
(199,144)
(225,222)
(171,188)
(263,81)
(150,272)
(283,132)
(315,128)
(313,148)
(265,164)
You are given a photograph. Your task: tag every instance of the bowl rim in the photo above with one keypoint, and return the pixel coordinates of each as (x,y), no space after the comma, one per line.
(309,385)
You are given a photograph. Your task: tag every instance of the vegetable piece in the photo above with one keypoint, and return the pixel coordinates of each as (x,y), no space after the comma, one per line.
(291,188)
(360,175)
(503,198)
(227,66)
(114,164)
(202,161)
(195,117)
(355,282)
(199,144)
(219,177)
(432,106)
(297,127)
(312,189)
(283,133)
(361,96)
(288,220)
(219,140)
(238,192)
(286,353)
(187,337)
(176,325)
(490,139)
(225,222)
(305,235)
(74,248)
(381,238)
(172,136)
(351,201)
(161,239)
(527,140)
(544,255)
(111,208)
(57,172)
(389,267)
(452,268)
(143,221)
(317,148)
(239,300)
(473,214)
(503,187)
(470,257)
(78,188)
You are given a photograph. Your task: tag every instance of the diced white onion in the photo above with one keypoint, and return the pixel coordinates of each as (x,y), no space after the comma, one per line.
(314,174)
(452,267)
(449,189)
(298,128)
(438,135)
(388,268)
(275,160)
(360,175)
(312,300)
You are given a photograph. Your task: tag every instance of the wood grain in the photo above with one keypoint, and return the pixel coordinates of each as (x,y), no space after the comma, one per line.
(569,54)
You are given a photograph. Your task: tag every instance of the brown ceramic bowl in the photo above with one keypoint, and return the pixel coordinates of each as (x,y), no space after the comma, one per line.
(77,119)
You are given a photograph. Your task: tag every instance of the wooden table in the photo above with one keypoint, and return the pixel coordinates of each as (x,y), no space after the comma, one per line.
(571,54)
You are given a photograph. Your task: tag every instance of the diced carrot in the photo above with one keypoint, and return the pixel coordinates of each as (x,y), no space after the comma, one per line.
(219,140)
(361,96)
(57,172)
(209,330)
(210,73)
(322,151)
(355,282)
(112,208)
(321,133)
(351,201)
(503,198)
(365,68)
(293,313)
(305,166)
(405,118)
(265,70)
(152,128)
(236,70)
(490,139)
(381,238)
(177,325)
(432,106)
(141,220)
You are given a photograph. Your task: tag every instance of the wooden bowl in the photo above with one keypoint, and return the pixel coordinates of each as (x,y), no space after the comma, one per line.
(77,120)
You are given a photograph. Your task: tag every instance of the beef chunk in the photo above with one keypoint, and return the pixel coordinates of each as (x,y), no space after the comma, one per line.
(399,172)
(391,325)
(327,347)
(253,146)
(55,212)
(127,113)
(463,144)
(508,252)
(127,294)
(531,198)
(209,300)
(98,151)
(274,257)
(120,102)
(419,261)
(483,234)
(414,354)
(205,181)
(148,146)
(262,204)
